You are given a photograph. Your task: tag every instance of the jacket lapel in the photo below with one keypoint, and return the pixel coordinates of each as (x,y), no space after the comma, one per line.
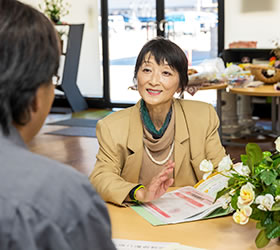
(135,144)
(181,135)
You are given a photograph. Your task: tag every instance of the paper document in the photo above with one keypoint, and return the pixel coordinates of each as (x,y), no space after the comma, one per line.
(186,203)
(153,245)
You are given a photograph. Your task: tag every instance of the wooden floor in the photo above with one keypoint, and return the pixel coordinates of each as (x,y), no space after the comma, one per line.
(80,152)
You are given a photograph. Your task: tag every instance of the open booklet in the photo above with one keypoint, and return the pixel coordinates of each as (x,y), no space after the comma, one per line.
(187,203)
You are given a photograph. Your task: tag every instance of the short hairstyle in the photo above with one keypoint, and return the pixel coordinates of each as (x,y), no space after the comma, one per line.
(163,49)
(29,57)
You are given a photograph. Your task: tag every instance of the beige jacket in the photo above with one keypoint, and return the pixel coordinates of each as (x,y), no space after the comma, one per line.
(120,137)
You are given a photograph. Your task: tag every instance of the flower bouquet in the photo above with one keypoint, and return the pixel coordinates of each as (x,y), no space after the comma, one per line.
(253,189)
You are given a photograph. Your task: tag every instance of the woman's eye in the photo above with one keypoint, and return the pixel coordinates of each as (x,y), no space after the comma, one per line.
(146,70)
(167,73)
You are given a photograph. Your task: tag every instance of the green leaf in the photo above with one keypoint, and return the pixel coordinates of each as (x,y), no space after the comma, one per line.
(271,189)
(273,230)
(234,200)
(244,159)
(276,216)
(259,226)
(276,206)
(276,184)
(276,162)
(275,155)
(266,154)
(258,214)
(231,181)
(254,154)
(262,240)
(268,176)
(221,193)
(268,220)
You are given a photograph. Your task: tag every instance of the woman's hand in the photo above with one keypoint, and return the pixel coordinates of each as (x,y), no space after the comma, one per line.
(158,185)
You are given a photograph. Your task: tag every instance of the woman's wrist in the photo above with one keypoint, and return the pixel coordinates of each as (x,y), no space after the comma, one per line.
(140,194)
(136,194)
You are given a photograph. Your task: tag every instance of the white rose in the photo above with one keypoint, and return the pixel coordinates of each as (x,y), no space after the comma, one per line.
(226,200)
(277,143)
(247,195)
(242,169)
(266,202)
(207,167)
(242,216)
(225,164)
(277,198)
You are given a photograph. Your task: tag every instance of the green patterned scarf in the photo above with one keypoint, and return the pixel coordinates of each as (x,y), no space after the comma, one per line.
(149,124)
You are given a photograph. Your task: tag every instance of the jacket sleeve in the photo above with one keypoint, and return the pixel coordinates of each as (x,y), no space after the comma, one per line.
(105,176)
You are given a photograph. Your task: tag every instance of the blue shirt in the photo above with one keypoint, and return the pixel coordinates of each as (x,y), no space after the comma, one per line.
(47,205)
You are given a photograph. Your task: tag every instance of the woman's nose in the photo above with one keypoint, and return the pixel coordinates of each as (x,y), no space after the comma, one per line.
(155,79)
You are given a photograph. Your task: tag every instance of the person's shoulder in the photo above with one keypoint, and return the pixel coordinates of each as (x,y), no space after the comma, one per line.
(35,179)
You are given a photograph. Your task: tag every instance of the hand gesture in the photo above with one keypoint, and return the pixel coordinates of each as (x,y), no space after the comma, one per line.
(158,185)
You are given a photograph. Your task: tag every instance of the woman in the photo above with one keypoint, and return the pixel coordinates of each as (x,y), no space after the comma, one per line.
(160,141)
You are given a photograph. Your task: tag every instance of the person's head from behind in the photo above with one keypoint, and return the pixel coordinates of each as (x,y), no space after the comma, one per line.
(161,70)
(29,58)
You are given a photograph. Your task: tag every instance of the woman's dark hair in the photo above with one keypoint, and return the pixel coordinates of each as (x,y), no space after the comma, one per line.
(29,57)
(164,50)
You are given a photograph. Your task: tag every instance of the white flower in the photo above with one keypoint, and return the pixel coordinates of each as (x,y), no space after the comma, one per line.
(277,198)
(242,216)
(226,200)
(225,164)
(277,143)
(232,192)
(266,202)
(207,167)
(247,195)
(242,169)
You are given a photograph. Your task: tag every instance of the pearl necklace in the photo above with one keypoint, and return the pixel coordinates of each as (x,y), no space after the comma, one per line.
(159,162)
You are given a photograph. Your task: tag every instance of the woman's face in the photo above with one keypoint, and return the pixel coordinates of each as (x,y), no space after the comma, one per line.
(157,84)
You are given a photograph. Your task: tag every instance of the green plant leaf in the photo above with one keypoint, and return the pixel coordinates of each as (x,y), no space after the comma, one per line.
(221,193)
(234,200)
(276,206)
(268,176)
(257,214)
(276,162)
(266,154)
(273,230)
(276,184)
(254,154)
(231,181)
(262,240)
(244,158)
(259,226)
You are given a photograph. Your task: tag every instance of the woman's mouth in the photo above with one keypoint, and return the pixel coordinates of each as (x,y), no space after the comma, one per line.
(154,92)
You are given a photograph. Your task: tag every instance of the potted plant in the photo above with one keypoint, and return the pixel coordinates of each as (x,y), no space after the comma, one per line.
(55,9)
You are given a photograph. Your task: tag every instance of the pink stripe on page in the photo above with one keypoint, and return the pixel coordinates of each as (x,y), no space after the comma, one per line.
(157,209)
(189,200)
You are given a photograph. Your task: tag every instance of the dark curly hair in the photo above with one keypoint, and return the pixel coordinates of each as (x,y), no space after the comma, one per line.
(29,57)
(163,49)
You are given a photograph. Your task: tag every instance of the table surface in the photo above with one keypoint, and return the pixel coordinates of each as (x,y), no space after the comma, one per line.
(264,90)
(219,233)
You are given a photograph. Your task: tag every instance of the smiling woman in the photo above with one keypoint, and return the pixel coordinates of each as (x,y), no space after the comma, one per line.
(160,141)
